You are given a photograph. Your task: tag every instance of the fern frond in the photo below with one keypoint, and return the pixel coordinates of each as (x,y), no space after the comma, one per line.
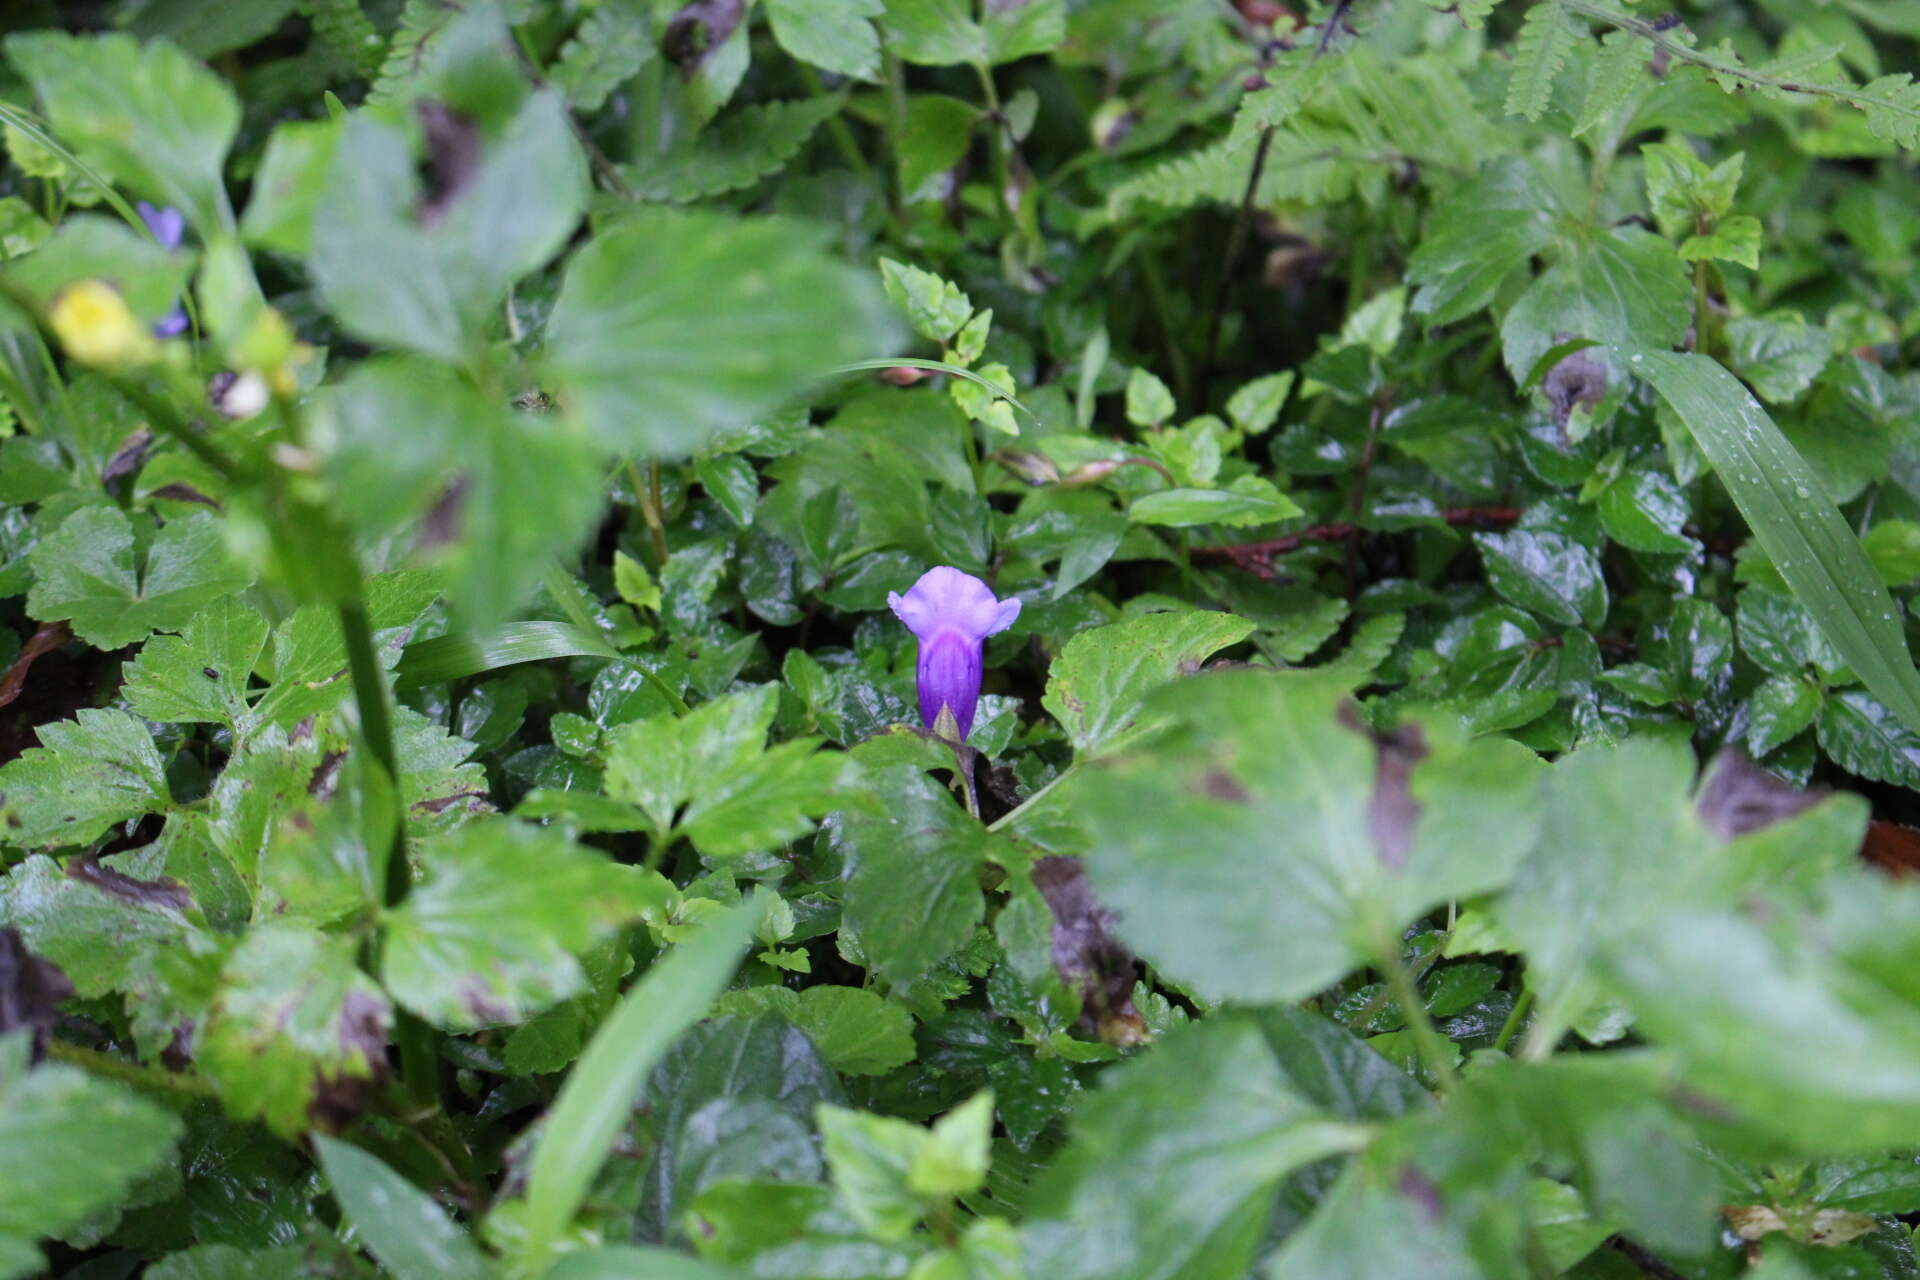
(346,32)
(733,153)
(607,50)
(1547,37)
(1618,69)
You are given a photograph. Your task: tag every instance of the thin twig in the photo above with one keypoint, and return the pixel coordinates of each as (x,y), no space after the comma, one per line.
(1257,557)
(1243,217)
(1686,53)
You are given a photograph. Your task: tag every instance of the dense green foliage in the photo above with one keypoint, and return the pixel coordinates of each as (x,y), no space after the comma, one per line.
(464,800)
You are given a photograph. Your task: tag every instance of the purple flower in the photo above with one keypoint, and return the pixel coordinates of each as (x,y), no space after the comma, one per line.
(167,226)
(951,613)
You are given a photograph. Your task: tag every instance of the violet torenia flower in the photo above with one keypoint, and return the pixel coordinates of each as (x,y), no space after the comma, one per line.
(951,613)
(167,225)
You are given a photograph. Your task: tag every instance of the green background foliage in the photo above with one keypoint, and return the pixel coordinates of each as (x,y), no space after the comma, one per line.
(464,805)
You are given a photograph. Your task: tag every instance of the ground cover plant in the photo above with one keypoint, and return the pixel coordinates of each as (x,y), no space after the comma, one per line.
(965,641)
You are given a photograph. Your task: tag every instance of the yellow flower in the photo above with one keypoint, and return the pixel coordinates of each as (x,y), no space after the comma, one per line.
(96,327)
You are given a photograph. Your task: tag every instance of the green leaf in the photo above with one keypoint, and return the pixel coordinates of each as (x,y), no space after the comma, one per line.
(1793,521)
(202,675)
(1478,236)
(472,653)
(870,1156)
(428,274)
(1096,685)
(1256,404)
(741,149)
(671,327)
(147,115)
(1863,737)
(468,948)
(1546,573)
(87,246)
(936,136)
(294,1024)
(1184,508)
(71,1147)
(1618,285)
(1779,355)
(1733,239)
(502,492)
(287,188)
(913,875)
(400,1225)
(101,941)
(857,1031)
(1780,708)
(1263,844)
(834,35)
(1646,510)
(710,776)
(953,1160)
(85,573)
(93,771)
(1190,1193)
(1149,403)
(934,307)
(939,33)
(598,1095)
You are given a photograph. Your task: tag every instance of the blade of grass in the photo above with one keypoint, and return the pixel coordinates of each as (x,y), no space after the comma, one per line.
(937,366)
(1792,519)
(598,1095)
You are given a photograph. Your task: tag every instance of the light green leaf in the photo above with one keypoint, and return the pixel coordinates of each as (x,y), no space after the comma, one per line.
(1793,521)
(869,1157)
(200,676)
(470,948)
(671,327)
(935,137)
(85,573)
(287,188)
(147,115)
(953,1161)
(934,307)
(857,1031)
(1190,1193)
(1617,285)
(1262,845)
(71,1146)
(401,1225)
(429,274)
(834,35)
(294,1013)
(1149,403)
(1184,508)
(1097,683)
(89,773)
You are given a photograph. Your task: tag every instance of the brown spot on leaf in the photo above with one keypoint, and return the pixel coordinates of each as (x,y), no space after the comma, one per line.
(441,527)
(440,804)
(1577,379)
(31,990)
(1086,953)
(185,493)
(1420,1189)
(484,1005)
(452,157)
(1222,785)
(697,29)
(1891,847)
(127,458)
(166,894)
(326,775)
(1739,796)
(1392,812)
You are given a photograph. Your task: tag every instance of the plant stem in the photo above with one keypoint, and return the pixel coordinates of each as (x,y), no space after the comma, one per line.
(1685,53)
(647,494)
(1436,1051)
(110,1067)
(419,1058)
(1521,1007)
